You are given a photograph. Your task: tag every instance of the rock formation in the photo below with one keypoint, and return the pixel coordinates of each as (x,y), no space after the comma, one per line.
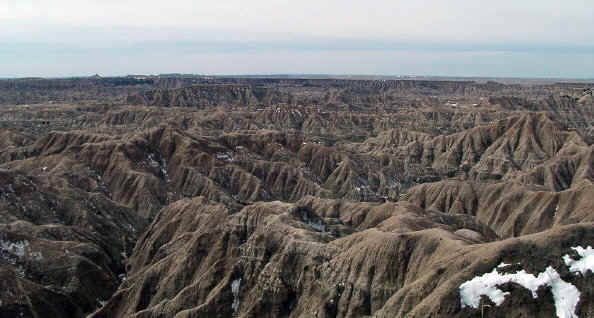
(187,196)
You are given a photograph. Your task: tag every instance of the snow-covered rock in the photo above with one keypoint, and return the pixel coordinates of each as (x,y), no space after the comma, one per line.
(583,265)
(566,295)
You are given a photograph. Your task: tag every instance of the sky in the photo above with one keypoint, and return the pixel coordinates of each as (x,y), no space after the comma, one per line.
(504,38)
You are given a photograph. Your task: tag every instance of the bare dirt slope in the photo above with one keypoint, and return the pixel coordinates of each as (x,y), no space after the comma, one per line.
(227,197)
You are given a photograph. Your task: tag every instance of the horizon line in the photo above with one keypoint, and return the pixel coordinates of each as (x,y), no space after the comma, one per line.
(302,75)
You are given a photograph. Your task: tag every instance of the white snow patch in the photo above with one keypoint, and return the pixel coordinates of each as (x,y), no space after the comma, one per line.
(235,285)
(224,156)
(566,295)
(16,248)
(583,265)
(164,170)
(13,252)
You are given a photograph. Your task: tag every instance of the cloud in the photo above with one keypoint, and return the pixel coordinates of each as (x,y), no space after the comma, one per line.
(548,29)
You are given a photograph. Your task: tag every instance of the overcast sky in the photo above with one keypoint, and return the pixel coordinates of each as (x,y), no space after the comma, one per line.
(527,38)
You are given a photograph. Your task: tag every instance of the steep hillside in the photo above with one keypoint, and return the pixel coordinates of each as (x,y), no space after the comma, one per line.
(328,259)
(190,196)
(62,249)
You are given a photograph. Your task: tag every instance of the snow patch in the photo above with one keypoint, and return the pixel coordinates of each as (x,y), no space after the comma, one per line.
(164,170)
(16,248)
(36,256)
(318,225)
(20,271)
(235,285)
(566,295)
(583,265)
(361,188)
(224,156)
(151,160)
(14,252)
(101,302)
(155,161)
